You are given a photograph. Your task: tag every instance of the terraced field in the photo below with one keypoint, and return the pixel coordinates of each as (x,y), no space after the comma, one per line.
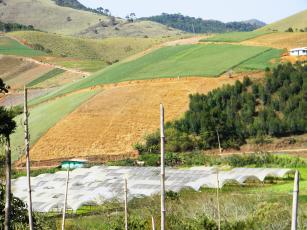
(187,60)
(118,117)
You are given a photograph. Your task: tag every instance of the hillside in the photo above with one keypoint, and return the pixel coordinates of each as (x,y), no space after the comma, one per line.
(45,15)
(199,25)
(177,61)
(297,22)
(84,54)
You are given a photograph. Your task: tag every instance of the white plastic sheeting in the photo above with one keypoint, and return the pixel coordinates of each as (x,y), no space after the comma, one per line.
(93,186)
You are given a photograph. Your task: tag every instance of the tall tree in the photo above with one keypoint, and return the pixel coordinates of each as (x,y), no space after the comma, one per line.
(7,127)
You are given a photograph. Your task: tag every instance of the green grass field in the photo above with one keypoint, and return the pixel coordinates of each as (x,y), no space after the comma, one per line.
(11,47)
(234,36)
(257,63)
(46,76)
(189,60)
(43,117)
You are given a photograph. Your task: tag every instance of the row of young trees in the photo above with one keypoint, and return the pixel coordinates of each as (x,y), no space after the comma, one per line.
(199,25)
(9,27)
(275,106)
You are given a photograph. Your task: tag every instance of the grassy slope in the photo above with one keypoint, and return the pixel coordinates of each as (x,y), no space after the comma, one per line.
(108,49)
(188,60)
(11,47)
(43,117)
(46,76)
(233,36)
(47,16)
(296,21)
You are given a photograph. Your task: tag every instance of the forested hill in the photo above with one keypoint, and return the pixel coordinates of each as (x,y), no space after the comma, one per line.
(275,107)
(75,4)
(198,25)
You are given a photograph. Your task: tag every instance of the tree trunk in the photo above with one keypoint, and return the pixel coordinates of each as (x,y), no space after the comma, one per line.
(7,208)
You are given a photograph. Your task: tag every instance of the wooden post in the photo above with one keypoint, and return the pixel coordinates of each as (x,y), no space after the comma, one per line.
(163,211)
(218,200)
(295,200)
(126,204)
(65,199)
(8,168)
(27,153)
(218,139)
(153,223)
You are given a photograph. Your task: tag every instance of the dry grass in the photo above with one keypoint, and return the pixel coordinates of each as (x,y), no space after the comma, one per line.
(280,40)
(112,121)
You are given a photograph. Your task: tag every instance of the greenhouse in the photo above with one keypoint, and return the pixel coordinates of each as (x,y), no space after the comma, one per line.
(95,185)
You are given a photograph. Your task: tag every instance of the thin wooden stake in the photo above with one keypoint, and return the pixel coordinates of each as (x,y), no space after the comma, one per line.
(218,139)
(27,152)
(65,199)
(126,204)
(153,223)
(163,211)
(218,200)
(295,200)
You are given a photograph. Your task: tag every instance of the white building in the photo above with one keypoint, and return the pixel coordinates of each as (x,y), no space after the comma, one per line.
(299,51)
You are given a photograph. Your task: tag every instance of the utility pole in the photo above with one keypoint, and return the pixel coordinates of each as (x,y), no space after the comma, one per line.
(27,152)
(295,200)
(65,199)
(163,211)
(126,204)
(218,139)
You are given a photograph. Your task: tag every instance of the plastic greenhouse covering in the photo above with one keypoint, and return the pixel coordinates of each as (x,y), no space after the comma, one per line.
(95,185)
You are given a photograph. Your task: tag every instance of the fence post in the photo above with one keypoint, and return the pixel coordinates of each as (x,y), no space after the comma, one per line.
(295,200)
(65,198)
(163,211)
(126,204)
(27,152)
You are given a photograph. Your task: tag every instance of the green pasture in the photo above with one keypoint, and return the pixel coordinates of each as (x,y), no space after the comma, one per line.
(234,36)
(46,76)
(9,46)
(261,61)
(45,116)
(207,60)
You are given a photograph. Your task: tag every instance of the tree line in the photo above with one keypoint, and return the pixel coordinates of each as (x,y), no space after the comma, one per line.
(77,5)
(9,27)
(273,107)
(199,25)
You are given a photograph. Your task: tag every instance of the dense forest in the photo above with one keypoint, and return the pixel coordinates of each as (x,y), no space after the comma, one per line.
(198,25)
(273,107)
(8,27)
(75,4)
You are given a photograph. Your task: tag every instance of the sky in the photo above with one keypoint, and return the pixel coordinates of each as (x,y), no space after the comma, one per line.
(223,10)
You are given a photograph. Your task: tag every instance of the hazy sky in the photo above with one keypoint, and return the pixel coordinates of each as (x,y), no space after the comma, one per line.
(224,10)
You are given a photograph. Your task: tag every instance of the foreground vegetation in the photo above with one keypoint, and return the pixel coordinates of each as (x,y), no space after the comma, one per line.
(277,107)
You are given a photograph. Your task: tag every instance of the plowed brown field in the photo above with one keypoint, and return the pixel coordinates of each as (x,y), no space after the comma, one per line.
(112,121)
